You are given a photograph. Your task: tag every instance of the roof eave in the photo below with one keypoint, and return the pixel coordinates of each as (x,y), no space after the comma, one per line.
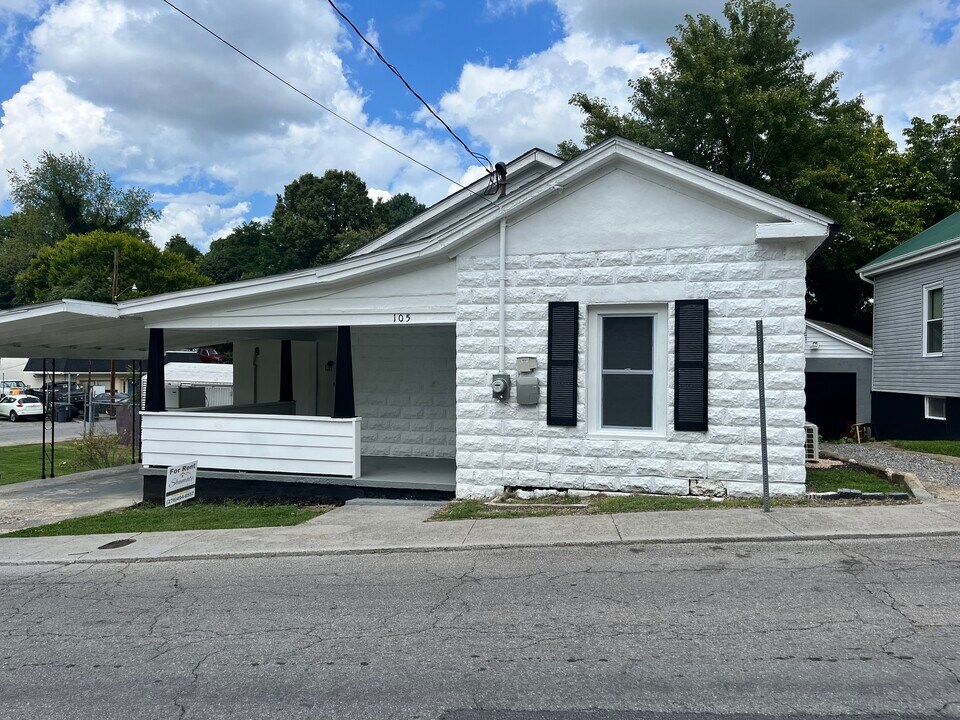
(875,268)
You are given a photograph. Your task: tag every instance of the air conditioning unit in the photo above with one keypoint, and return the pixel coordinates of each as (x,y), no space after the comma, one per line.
(811,442)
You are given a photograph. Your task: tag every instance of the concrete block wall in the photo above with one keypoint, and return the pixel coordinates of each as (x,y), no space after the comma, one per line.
(508,445)
(404,389)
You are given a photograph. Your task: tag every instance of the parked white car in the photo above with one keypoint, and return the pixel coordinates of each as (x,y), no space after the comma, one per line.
(15,407)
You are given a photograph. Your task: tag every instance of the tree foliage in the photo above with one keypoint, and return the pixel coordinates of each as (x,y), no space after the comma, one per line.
(181,246)
(60,195)
(251,250)
(735,97)
(81,267)
(72,197)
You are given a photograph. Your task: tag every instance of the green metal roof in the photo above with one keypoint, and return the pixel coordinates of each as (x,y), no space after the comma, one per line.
(944,231)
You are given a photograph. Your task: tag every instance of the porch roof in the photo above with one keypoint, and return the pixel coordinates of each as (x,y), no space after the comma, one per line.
(82,330)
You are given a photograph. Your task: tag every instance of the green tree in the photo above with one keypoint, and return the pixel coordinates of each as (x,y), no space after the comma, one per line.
(63,194)
(313,211)
(735,97)
(388,214)
(81,267)
(181,246)
(251,250)
(74,198)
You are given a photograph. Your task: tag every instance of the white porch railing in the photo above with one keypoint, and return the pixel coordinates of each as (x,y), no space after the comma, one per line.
(288,444)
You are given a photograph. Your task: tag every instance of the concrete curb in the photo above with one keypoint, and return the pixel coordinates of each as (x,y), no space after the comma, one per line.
(707,539)
(909,479)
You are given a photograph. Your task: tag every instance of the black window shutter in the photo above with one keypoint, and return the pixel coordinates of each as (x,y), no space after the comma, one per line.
(562,363)
(690,366)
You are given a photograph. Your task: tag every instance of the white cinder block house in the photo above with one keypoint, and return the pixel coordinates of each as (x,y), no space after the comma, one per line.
(624,283)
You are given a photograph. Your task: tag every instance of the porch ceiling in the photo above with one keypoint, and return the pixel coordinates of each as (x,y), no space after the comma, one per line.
(85,330)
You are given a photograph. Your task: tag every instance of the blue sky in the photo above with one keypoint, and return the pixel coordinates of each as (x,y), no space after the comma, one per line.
(155,102)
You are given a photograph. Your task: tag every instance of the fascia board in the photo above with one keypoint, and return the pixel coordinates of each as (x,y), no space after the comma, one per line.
(451,202)
(846,341)
(216,293)
(325,275)
(66,306)
(795,231)
(917,256)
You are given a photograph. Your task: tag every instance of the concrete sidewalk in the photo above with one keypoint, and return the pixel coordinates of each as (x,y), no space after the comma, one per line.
(369,527)
(38,502)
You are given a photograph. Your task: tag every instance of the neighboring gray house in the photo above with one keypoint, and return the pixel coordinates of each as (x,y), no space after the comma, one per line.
(916,335)
(618,291)
(839,370)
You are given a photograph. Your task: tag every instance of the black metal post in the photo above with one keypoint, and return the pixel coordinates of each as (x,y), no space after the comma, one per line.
(43,420)
(155,401)
(763,419)
(286,371)
(53,422)
(343,403)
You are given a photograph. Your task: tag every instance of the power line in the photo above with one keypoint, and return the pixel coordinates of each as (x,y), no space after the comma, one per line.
(480,157)
(321,105)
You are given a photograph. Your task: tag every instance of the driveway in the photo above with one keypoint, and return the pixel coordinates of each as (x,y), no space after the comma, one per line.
(31,431)
(38,502)
(940,477)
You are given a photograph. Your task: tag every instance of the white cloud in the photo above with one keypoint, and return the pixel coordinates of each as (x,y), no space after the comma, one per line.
(46,115)
(199,218)
(376,194)
(154,100)
(516,107)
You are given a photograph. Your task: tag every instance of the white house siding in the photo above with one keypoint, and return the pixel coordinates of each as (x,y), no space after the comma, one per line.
(404,390)
(830,347)
(508,445)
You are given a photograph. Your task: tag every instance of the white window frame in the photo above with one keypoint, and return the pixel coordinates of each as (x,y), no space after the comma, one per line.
(926,319)
(926,407)
(595,313)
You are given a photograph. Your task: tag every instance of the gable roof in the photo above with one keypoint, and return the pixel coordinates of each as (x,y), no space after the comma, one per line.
(935,240)
(844,334)
(424,241)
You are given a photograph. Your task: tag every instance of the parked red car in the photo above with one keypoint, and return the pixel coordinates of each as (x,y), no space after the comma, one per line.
(209,355)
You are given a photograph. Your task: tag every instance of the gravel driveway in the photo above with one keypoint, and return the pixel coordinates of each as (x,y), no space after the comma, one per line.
(940,478)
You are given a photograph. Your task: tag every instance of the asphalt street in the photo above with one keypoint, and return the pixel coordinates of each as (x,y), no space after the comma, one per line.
(819,628)
(25,432)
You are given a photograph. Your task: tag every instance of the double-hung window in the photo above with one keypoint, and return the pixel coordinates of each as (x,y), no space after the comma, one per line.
(933,320)
(628,370)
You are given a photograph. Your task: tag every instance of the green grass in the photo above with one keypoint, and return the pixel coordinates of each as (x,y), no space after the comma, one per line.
(19,463)
(936,447)
(835,478)
(149,517)
(817,481)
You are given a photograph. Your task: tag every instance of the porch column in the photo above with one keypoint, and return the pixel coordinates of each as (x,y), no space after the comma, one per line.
(286,371)
(155,400)
(343,406)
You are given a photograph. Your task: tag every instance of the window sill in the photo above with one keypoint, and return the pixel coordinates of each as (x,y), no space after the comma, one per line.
(933,355)
(625,435)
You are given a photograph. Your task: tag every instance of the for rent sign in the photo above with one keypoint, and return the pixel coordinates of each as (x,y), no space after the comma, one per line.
(181,483)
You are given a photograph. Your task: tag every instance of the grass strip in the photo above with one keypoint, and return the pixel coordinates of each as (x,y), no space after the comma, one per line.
(934,447)
(834,478)
(151,517)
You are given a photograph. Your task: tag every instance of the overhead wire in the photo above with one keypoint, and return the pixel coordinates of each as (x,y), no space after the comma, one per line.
(479,157)
(321,105)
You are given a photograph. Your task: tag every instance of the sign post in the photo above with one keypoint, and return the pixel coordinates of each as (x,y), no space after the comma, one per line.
(181,483)
(763,419)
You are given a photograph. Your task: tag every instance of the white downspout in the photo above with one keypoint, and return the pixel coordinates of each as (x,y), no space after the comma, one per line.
(503,295)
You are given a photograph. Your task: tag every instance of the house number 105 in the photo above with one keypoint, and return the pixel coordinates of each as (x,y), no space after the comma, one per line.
(401,317)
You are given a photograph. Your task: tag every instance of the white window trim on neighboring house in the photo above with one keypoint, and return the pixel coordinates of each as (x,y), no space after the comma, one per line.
(926,407)
(660,315)
(926,319)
